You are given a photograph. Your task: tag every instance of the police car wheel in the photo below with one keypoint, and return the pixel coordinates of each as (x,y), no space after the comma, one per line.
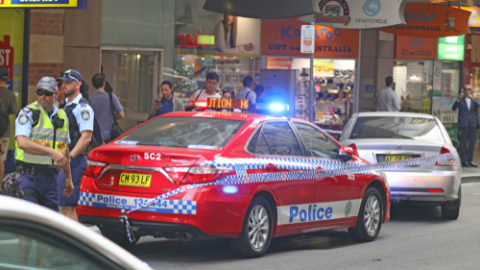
(370,216)
(451,210)
(118,237)
(257,229)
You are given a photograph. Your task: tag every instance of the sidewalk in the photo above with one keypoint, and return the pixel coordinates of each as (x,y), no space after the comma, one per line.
(470,175)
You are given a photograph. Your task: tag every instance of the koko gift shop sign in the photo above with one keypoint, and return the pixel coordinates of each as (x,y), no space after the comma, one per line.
(282,38)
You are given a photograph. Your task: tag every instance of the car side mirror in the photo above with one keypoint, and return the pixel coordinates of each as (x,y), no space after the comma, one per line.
(345,153)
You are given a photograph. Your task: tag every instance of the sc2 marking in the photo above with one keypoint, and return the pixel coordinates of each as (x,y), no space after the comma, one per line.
(152,156)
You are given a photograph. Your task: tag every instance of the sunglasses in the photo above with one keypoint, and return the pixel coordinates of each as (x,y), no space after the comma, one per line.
(44,92)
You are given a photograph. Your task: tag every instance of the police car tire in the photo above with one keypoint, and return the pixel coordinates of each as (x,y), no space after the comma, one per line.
(359,232)
(451,210)
(118,237)
(242,244)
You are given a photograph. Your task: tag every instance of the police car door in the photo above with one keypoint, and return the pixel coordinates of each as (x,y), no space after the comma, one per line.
(276,142)
(334,193)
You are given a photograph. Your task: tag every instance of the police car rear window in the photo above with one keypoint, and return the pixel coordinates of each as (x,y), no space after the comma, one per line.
(186,132)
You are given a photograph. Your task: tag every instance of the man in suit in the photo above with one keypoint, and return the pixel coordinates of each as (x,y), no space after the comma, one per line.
(467,124)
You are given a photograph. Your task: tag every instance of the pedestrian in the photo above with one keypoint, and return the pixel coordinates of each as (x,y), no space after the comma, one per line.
(210,91)
(467,107)
(387,100)
(229,93)
(80,117)
(103,112)
(260,102)
(8,106)
(168,103)
(247,93)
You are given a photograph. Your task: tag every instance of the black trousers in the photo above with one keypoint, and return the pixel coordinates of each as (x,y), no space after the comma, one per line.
(468,136)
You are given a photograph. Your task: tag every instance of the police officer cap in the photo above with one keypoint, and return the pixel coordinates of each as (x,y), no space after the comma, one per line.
(71,75)
(48,83)
(3,73)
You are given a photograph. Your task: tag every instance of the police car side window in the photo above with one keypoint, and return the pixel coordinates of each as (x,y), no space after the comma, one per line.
(258,145)
(281,139)
(316,142)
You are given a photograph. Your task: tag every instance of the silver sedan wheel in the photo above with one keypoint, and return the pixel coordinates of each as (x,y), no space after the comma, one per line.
(258,227)
(372,214)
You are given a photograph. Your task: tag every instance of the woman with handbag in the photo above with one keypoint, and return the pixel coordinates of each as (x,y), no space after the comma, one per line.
(107,115)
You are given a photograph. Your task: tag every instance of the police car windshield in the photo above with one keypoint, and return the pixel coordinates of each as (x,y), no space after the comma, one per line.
(187,132)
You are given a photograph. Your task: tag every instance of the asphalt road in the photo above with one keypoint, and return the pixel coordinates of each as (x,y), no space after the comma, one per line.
(415,238)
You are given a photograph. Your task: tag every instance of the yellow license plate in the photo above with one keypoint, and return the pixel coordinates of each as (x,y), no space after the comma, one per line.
(392,158)
(135,180)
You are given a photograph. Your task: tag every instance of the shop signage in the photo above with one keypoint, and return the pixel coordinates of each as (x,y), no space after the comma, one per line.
(307,40)
(451,48)
(356,14)
(416,48)
(474,19)
(39,3)
(279,63)
(282,38)
(428,20)
(6,55)
(322,68)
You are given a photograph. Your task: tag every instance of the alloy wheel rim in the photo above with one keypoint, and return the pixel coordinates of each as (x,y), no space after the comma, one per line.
(258,227)
(372,215)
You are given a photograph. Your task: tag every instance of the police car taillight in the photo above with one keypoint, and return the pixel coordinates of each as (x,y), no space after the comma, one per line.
(446,162)
(197,175)
(94,168)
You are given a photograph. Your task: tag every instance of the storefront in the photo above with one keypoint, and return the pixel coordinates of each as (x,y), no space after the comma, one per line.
(333,68)
(427,75)
(268,50)
(211,42)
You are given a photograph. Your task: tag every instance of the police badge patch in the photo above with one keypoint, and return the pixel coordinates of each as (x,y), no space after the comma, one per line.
(22,119)
(85,115)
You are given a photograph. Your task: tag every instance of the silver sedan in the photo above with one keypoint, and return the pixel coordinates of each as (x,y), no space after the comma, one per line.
(391,137)
(34,237)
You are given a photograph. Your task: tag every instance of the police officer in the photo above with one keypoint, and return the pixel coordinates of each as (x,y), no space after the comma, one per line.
(41,147)
(80,118)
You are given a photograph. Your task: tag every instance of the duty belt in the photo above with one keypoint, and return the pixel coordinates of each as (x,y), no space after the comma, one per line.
(35,170)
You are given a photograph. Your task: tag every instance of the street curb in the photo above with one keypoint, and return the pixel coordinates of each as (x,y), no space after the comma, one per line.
(470,179)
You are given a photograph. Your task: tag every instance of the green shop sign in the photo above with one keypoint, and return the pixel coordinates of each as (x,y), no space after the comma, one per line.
(451,48)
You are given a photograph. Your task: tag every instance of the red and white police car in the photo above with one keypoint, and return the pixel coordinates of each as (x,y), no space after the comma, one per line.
(250,178)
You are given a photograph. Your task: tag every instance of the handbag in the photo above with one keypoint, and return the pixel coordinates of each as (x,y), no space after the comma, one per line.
(116,130)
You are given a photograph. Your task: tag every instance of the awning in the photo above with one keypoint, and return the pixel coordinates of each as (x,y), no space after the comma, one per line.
(264,9)
(276,9)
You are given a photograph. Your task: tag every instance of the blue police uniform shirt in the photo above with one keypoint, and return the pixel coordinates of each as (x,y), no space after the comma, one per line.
(83,114)
(24,121)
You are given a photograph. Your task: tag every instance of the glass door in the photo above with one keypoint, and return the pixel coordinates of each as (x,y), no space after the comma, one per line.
(134,74)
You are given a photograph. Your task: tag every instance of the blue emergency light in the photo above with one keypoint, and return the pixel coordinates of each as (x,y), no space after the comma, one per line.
(277,107)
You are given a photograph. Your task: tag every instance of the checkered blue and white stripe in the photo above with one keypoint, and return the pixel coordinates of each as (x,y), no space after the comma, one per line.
(130,203)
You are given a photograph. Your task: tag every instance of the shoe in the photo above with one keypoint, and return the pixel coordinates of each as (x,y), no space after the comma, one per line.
(465,164)
(472,164)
